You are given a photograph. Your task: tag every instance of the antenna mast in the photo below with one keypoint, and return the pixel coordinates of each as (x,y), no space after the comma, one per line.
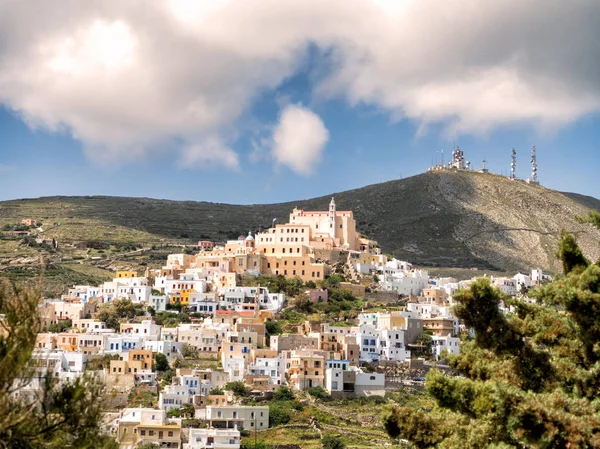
(513,164)
(534,167)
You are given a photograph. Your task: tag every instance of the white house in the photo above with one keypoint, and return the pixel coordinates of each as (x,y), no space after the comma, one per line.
(236,416)
(213,439)
(447,343)
(158,302)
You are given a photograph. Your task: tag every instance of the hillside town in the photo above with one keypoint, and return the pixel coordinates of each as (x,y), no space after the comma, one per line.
(193,353)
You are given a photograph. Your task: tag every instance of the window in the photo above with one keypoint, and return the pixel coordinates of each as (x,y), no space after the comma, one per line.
(142,432)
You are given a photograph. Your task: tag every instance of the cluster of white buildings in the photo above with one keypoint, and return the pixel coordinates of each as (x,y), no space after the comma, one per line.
(232,329)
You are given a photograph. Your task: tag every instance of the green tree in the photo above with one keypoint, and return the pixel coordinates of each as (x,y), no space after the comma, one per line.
(161,363)
(278,414)
(238,388)
(57,416)
(570,254)
(332,442)
(273,327)
(185,411)
(592,217)
(58,327)
(189,352)
(319,393)
(216,392)
(528,379)
(116,311)
(283,393)
(303,304)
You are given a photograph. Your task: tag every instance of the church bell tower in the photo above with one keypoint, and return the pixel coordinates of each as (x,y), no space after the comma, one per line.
(332,218)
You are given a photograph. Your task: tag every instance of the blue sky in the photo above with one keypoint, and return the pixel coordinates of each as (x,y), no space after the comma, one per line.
(93,104)
(364,148)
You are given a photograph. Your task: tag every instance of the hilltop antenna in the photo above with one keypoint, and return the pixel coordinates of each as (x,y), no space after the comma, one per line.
(534,167)
(442,157)
(513,164)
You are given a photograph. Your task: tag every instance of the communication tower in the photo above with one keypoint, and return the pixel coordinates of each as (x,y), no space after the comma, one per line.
(534,167)
(458,159)
(513,164)
(484,168)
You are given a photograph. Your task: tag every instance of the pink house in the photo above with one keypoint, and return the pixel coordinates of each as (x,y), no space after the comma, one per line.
(206,244)
(317,295)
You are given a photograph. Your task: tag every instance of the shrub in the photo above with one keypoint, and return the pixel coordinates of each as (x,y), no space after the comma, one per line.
(332,442)
(319,393)
(283,393)
(238,388)
(278,415)
(161,363)
(273,328)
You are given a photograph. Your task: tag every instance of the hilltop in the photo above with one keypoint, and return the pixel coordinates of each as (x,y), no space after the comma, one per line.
(438,219)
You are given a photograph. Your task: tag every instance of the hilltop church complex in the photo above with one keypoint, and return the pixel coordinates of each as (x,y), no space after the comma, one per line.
(295,249)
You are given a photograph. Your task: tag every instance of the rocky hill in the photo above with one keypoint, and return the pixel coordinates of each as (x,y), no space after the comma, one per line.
(443,219)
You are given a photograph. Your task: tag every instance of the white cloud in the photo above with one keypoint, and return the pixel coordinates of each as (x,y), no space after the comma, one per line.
(299,139)
(125,76)
(209,152)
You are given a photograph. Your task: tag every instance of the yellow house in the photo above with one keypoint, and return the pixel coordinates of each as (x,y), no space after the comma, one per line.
(139,426)
(391,321)
(126,274)
(306,369)
(68,341)
(184,296)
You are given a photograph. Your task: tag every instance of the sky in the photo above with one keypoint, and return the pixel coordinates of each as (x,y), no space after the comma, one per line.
(247,102)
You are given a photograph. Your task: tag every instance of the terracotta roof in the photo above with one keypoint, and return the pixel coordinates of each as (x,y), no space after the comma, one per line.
(320,212)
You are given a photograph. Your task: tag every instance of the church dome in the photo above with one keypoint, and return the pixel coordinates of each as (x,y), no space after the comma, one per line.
(249,238)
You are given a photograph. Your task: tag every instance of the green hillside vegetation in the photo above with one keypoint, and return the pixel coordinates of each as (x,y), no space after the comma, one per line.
(448,222)
(446,219)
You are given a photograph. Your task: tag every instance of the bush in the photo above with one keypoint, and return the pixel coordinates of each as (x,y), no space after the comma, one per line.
(189,352)
(319,393)
(161,363)
(332,442)
(278,415)
(238,388)
(59,327)
(273,328)
(258,445)
(283,393)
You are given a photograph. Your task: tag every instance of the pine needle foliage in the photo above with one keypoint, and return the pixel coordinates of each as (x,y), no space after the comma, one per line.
(528,379)
(55,415)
